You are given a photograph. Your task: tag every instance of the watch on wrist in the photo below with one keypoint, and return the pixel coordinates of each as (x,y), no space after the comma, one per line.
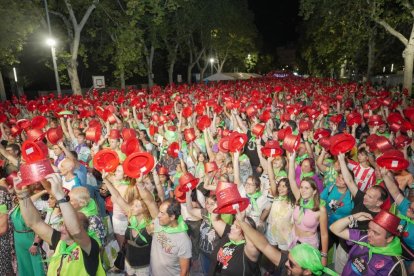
(35,244)
(62,200)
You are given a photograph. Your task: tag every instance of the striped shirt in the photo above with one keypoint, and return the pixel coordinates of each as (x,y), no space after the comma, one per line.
(364,177)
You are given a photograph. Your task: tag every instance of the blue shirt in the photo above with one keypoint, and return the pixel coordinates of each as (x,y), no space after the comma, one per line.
(403,208)
(331,194)
(81,173)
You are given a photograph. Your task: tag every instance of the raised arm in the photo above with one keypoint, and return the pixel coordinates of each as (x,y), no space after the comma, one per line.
(148,199)
(70,217)
(64,128)
(13,160)
(263,161)
(319,162)
(210,152)
(272,180)
(292,176)
(392,186)
(349,181)
(236,168)
(323,224)
(194,212)
(70,129)
(340,227)
(116,197)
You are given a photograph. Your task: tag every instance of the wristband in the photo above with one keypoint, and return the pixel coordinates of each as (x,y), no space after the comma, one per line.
(62,200)
(35,244)
(324,255)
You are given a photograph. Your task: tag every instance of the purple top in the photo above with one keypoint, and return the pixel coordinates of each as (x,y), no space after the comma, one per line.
(319,183)
(358,258)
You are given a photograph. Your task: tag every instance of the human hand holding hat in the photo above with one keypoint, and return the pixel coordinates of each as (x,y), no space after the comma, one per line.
(55,181)
(362,216)
(21,192)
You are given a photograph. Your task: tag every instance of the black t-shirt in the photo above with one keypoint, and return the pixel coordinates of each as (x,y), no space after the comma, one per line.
(231,260)
(90,261)
(280,270)
(138,252)
(360,207)
(250,149)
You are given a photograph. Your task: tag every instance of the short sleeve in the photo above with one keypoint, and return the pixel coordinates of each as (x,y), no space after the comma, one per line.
(184,250)
(403,207)
(354,235)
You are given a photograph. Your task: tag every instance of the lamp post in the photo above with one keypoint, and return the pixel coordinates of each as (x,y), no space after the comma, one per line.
(211,65)
(52,43)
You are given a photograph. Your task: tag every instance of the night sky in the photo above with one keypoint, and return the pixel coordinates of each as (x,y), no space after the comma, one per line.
(276,21)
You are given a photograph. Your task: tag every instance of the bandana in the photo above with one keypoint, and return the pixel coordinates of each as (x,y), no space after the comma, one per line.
(124,182)
(308,204)
(243,157)
(279,173)
(392,249)
(3,209)
(309,258)
(236,243)
(304,175)
(253,199)
(299,159)
(138,226)
(90,209)
(181,227)
(407,219)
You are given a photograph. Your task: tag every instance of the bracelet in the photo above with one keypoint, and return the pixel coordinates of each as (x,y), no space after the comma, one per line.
(324,255)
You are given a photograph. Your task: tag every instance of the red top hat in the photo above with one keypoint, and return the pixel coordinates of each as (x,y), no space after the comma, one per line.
(173,149)
(33,151)
(291,142)
(110,117)
(137,163)
(34,172)
(189,135)
(152,130)
(163,171)
(128,133)
(23,123)
(272,149)
(34,134)
(321,132)
(10,179)
(106,160)
(402,141)
(224,144)
(341,143)
(179,195)
(353,118)
(382,144)
(187,111)
(258,130)
(388,221)
(124,112)
(162,119)
(283,132)
(55,134)
(237,141)
(114,134)
(130,146)
(3,118)
(325,142)
(203,122)
(375,120)
(229,199)
(393,160)
(187,182)
(265,116)
(210,167)
(395,117)
(251,111)
(305,125)
(39,122)
(336,119)
(93,134)
(15,130)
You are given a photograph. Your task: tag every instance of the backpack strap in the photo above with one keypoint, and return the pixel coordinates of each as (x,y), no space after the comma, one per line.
(400,262)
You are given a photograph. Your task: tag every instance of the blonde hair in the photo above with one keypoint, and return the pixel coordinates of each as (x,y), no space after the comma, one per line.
(81,194)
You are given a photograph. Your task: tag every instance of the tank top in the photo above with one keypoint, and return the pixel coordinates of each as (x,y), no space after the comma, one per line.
(138,252)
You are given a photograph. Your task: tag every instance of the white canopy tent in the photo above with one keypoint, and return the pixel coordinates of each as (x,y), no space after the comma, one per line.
(231,76)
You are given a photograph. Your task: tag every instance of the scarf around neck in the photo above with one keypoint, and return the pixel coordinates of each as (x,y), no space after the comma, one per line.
(133,224)
(91,209)
(391,249)
(253,199)
(181,227)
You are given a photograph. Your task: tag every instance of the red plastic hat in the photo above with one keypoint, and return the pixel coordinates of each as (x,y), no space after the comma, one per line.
(341,143)
(336,119)
(189,135)
(291,142)
(179,195)
(283,132)
(34,172)
(402,141)
(187,111)
(393,160)
(305,125)
(93,134)
(23,123)
(130,146)
(224,144)
(258,130)
(15,130)
(54,135)
(35,134)
(229,199)
(353,118)
(203,122)
(187,182)
(106,160)
(128,133)
(251,111)
(10,179)
(382,144)
(33,151)
(325,142)
(152,130)
(237,141)
(375,120)
(272,149)
(114,134)
(39,122)
(173,149)
(210,167)
(321,132)
(137,163)
(163,171)
(3,118)
(388,221)
(265,116)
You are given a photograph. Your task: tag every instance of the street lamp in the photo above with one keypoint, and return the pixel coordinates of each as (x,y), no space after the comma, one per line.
(52,43)
(211,65)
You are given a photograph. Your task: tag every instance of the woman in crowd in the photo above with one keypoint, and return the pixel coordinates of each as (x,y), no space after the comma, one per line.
(309,214)
(6,234)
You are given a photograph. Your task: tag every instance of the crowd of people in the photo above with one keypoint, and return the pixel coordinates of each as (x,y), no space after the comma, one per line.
(268,176)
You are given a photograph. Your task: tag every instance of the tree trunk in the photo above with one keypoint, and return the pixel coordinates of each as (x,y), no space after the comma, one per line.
(189,70)
(371,55)
(150,58)
(170,73)
(74,78)
(408,56)
(122,78)
(2,88)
